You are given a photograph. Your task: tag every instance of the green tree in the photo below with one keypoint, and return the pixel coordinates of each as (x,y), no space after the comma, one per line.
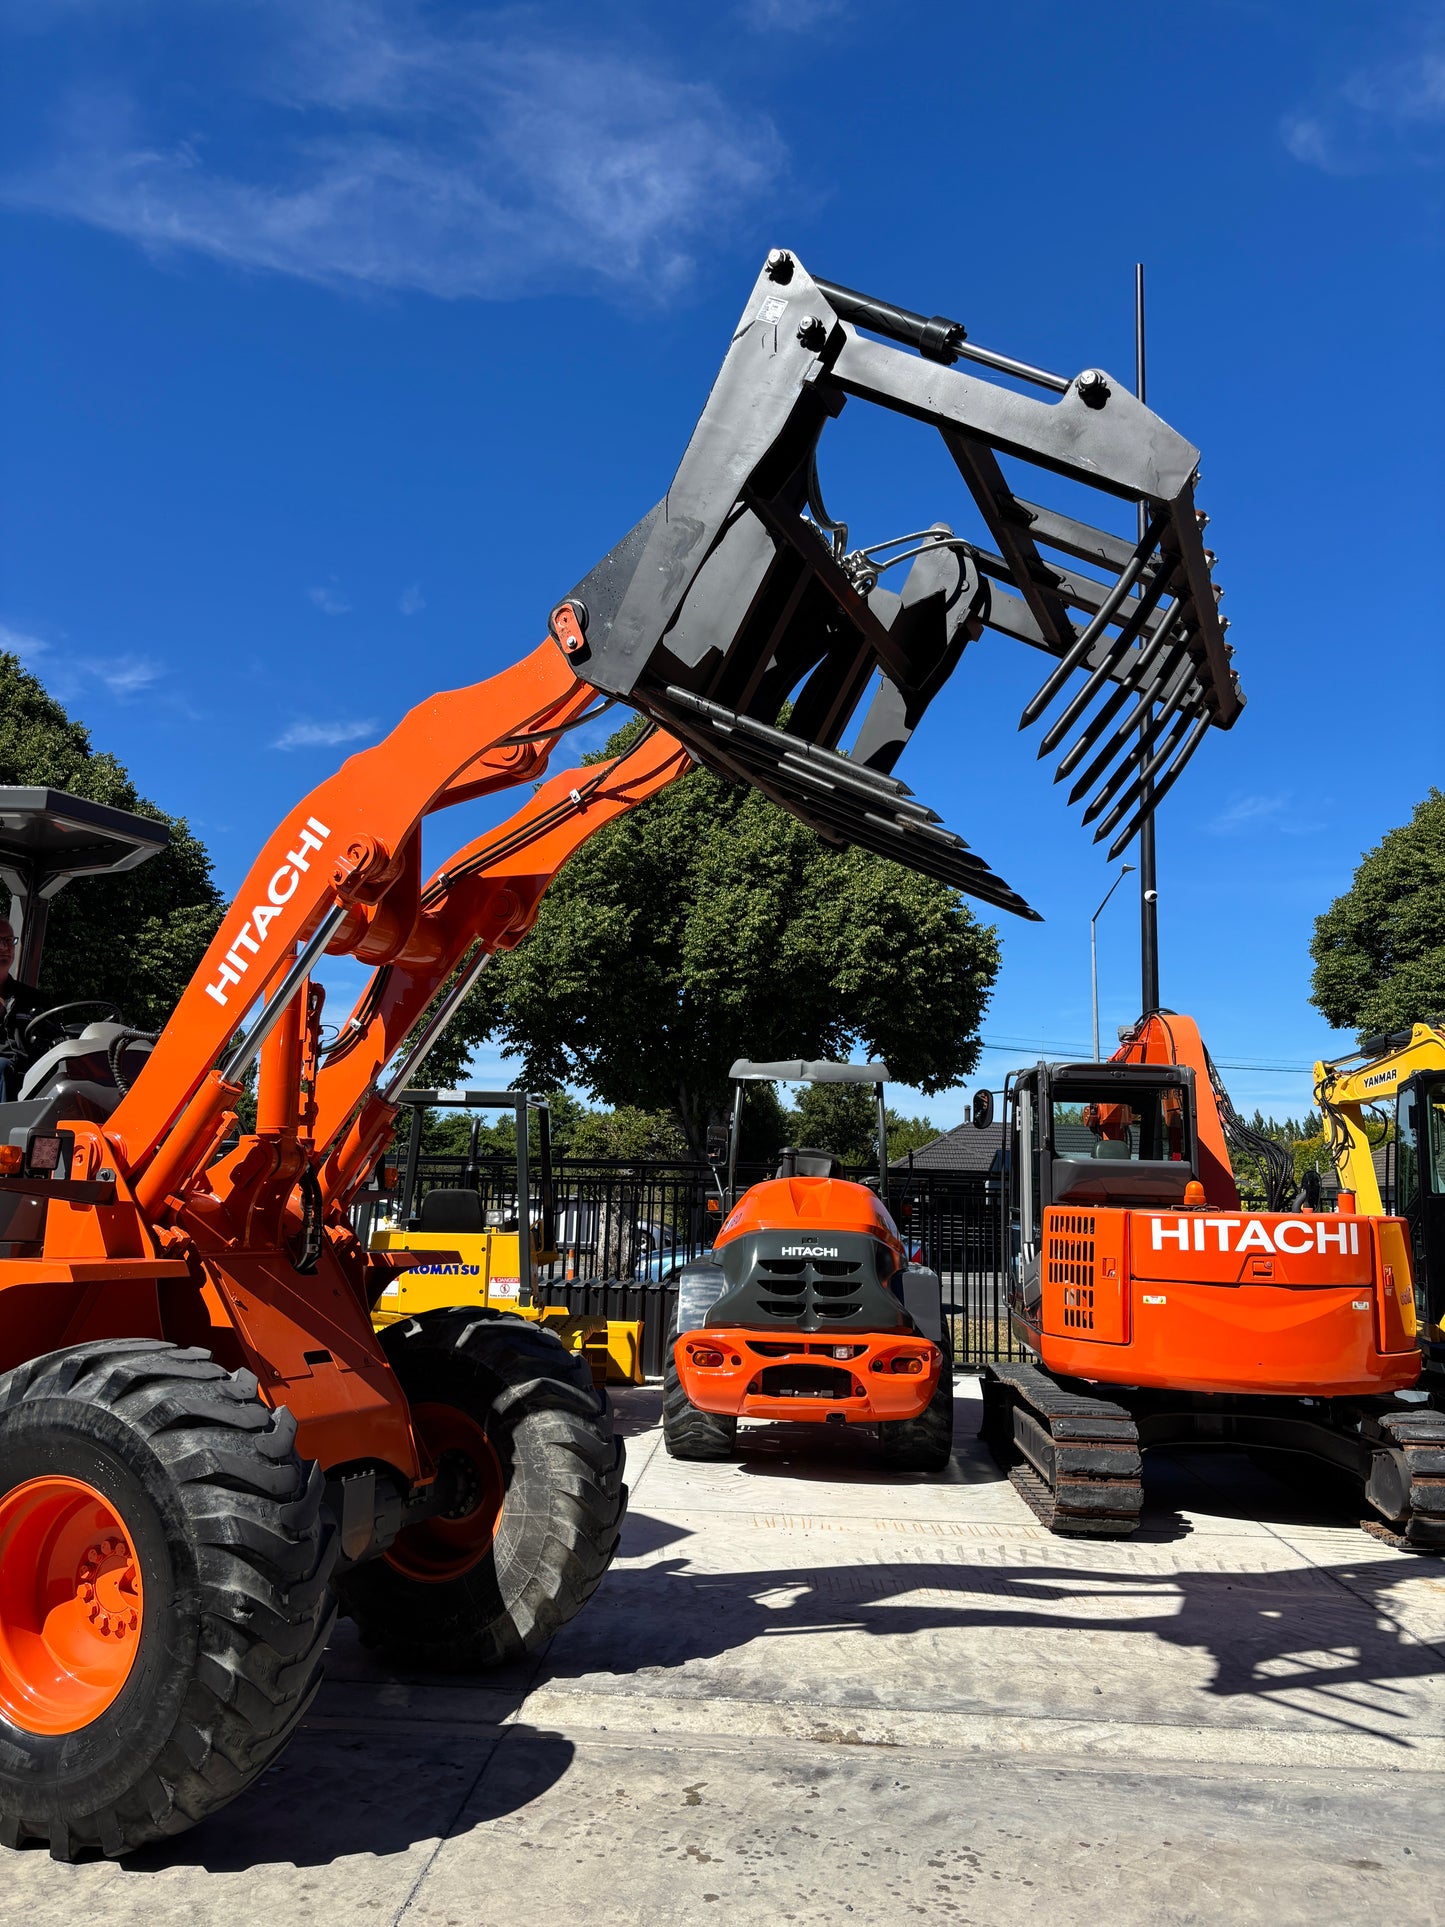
(710,924)
(907,1134)
(627,1133)
(135,938)
(843,1119)
(1379,949)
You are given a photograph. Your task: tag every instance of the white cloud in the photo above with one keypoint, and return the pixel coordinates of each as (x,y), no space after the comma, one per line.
(124,675)
(1246,811)
(324,735)
(18,643)
(1279,812)
(1389,113)
(790,16)
(411,601)
(465,159)
(329,599)
(69,676)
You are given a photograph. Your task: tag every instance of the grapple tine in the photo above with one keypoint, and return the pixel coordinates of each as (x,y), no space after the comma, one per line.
(735,615)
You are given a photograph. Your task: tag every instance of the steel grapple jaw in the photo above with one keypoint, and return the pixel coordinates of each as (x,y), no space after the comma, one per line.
(737,615)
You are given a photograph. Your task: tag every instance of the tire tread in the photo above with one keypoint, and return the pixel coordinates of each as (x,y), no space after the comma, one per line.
(264,1552)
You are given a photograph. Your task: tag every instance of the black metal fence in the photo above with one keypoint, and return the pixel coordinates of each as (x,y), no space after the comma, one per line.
(622,1228)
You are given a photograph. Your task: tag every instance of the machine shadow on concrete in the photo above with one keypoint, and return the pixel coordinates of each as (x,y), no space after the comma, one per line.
(1257,1628)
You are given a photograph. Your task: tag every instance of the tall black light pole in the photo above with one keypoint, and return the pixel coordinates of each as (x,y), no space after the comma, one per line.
(1148,883)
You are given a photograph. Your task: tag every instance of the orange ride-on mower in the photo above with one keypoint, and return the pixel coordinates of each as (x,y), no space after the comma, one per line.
(807,1308)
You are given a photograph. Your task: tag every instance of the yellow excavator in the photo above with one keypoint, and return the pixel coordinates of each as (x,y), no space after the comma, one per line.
(1390,1096)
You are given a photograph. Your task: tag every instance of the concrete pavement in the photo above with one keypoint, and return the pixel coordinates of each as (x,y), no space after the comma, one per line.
(812,1691)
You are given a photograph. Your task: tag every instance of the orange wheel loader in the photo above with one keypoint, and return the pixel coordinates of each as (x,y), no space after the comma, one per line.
(807,1307)
(1154,1309)
(204,1444)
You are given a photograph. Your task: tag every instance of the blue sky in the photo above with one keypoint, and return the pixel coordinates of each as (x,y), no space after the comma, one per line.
(341,338)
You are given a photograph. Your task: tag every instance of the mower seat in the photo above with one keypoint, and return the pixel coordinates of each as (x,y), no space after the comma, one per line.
(452,1212)
(803,1161)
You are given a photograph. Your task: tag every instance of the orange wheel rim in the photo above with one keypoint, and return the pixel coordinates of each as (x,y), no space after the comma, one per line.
(71,1607)
(451,1543)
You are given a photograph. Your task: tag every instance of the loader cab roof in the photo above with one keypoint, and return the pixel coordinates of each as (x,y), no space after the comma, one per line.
(806,1160)
(49,836)
(71,835)
(798,1070)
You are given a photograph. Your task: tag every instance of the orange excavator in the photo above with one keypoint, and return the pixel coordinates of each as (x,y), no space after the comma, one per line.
(1155,1310)
(204,1444)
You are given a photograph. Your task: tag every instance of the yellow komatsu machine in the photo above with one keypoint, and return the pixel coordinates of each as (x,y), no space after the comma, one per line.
(467,1255)
(1391,1094)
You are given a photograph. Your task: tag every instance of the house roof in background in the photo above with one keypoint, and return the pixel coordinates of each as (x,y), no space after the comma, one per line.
(965,1148)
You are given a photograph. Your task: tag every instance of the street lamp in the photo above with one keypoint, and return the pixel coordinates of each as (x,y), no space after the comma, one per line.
(1094,950)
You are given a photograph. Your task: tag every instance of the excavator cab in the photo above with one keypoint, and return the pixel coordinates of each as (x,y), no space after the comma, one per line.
(1383,1109)
(1087,1135)
(1420,1200)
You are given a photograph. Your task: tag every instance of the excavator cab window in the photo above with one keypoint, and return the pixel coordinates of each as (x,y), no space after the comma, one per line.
(1148,1125)
(1419,1192)
(1025,1161)
(1407,1152)
(1419,1142)
(1115,1133)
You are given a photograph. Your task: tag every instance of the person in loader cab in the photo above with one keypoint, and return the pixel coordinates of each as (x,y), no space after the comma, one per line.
(18,1004)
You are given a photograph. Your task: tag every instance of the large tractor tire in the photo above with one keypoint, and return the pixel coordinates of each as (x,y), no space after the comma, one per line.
(542,1499)
(687,1432)
(925,1443)
(164,1593)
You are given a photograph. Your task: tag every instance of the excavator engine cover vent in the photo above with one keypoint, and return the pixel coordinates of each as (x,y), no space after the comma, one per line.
(1084,1275)
(1071,1266)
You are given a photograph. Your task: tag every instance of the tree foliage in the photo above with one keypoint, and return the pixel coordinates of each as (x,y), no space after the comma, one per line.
(837,1118)
(577,1132)
(135,938)
(843,1119)
(710,924)
(1379,949)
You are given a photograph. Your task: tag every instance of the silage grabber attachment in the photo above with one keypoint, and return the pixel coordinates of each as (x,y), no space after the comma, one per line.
(739,595)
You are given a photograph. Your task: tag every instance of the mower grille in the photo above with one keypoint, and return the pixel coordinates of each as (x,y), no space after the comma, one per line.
(846,1282)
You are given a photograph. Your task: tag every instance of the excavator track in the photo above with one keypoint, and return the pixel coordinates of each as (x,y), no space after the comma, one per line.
(1416,1444)
(1074,1459)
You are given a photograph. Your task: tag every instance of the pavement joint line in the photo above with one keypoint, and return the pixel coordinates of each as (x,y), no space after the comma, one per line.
(1013,1736)
(608,1739)
(430,1860)
(904,1753)
(465,1799)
